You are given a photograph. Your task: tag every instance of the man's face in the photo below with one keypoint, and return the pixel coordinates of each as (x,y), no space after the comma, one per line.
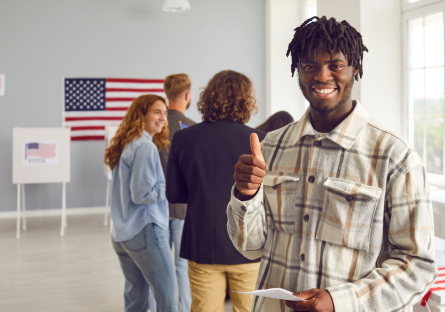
(325,83)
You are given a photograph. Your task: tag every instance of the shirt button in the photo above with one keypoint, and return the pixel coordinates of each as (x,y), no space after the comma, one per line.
(349,198)
(275,187)
(318,143)
(306,218)
(311,179)
(302,257)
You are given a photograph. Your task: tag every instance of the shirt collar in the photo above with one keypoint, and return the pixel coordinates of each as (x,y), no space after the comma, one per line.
(344,134)
(174,112)
(145,133)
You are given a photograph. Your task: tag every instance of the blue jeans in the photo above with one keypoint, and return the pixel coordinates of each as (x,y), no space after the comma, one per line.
(146,260)
(185,297)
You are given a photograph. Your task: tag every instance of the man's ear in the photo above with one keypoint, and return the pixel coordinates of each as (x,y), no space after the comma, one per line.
(187,95)
(355,71)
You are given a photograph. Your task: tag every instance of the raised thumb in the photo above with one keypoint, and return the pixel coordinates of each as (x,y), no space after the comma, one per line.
(256,147)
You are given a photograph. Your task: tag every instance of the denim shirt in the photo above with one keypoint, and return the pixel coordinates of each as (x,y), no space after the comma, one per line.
(138,190)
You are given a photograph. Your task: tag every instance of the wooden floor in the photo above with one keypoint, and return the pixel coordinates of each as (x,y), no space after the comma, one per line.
(43,271)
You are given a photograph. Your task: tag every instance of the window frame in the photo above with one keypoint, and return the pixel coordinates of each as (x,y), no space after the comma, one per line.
(411,6)
(419,9)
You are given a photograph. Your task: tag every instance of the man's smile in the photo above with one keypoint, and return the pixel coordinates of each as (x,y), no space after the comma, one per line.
(324,92)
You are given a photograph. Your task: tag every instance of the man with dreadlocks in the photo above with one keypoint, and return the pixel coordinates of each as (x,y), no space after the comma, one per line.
(337,207)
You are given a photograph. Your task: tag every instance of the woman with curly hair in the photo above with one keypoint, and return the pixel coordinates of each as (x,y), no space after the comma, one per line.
(199,173)
(139,209)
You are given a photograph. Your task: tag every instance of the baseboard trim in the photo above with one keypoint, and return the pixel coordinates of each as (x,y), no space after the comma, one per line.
(54,212)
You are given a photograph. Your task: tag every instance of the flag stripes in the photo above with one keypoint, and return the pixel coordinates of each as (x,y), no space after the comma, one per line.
(41,150)
(90,104)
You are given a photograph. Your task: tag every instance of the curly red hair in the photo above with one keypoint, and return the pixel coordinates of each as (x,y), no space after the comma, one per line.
(132,126)
(228,96)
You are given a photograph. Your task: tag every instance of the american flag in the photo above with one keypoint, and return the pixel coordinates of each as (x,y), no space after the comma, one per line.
(40,149)
(92,103)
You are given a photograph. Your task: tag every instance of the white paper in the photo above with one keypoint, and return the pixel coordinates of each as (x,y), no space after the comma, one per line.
(40,153)
(275,293)
(2,84)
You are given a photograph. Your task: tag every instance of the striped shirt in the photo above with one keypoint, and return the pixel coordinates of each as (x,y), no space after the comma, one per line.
(348,211)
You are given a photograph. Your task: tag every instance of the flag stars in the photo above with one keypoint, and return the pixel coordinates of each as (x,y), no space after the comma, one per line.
(84,95)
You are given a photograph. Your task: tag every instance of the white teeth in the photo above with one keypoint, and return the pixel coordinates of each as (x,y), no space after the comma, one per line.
(324,91)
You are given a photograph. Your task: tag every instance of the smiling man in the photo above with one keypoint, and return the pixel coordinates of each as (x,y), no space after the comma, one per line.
(337,207)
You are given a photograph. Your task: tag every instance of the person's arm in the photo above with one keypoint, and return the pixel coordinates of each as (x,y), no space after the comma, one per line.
(246,224)
(176,185)
(246,219)
(143,186)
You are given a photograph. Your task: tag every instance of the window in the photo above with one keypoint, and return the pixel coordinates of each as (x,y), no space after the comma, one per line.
(424,85)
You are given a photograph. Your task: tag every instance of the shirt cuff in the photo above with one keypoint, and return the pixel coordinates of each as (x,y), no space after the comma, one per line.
(248,205)
(344,298)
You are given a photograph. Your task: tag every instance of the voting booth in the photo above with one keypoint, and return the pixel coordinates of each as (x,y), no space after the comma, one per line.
(110,131)
(40,155)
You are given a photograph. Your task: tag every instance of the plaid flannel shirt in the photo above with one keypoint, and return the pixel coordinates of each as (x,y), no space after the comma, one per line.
(348,211)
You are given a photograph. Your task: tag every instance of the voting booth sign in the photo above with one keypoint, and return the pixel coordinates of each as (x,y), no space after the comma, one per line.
(40,155)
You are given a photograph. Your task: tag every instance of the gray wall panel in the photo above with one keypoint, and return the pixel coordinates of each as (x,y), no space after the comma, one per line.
(42,41)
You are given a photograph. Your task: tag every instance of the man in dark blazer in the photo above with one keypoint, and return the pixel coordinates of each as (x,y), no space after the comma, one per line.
(200,173)
(177,88)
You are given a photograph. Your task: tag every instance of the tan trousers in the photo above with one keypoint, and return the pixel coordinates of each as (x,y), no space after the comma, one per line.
(208,283)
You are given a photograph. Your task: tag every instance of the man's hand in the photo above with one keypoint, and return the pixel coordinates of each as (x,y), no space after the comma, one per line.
(250,169)
(316,300)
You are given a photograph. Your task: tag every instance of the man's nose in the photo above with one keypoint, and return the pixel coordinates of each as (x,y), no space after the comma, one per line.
(323,75)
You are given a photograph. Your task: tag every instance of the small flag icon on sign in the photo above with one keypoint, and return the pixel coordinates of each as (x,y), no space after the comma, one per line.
(42,150)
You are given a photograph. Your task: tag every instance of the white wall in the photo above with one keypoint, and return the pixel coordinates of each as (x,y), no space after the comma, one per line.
(42,41)
(381,87)
(282,90)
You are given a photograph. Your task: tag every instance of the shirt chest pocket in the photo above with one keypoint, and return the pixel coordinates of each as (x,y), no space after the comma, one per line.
(348,213)
(281,190)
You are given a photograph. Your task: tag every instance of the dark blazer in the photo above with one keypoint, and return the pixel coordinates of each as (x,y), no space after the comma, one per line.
(175,118)
(200,173)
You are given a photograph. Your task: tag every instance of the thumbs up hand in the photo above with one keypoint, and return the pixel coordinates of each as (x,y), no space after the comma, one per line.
(250,170)
(255,146)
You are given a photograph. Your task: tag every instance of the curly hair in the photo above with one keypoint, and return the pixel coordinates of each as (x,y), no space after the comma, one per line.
(132,126)
(317,30)
(228,96)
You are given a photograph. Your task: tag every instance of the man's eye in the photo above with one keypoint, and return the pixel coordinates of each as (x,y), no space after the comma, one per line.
(309,67)
(337,66)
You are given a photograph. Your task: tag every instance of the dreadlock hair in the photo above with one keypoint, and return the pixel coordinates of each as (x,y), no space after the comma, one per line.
(315,31)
